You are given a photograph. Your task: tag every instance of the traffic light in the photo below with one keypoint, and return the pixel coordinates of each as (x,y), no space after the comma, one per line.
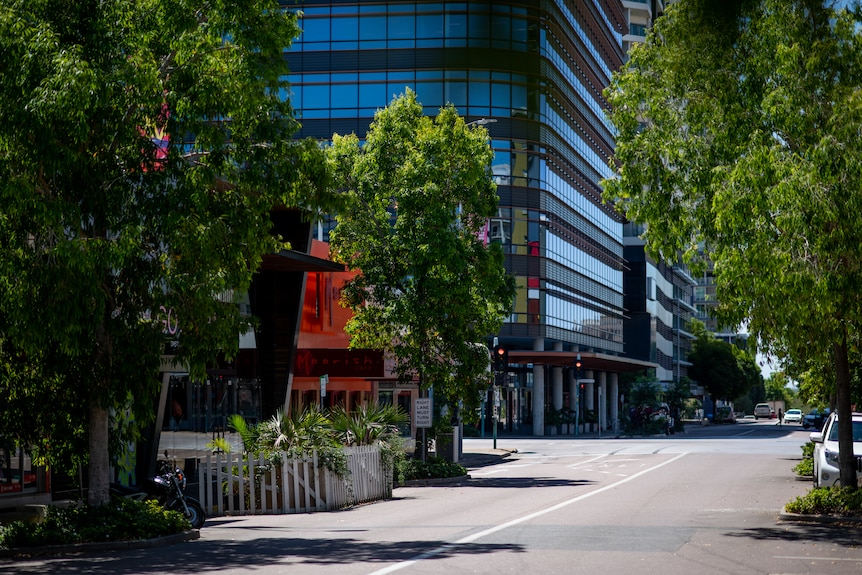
(578,366)
(501,358)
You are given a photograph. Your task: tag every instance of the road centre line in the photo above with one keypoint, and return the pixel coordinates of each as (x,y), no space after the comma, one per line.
(513,522)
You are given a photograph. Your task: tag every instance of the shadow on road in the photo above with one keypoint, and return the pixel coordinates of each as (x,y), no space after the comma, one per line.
(834,533)
(221,556)
(525,482)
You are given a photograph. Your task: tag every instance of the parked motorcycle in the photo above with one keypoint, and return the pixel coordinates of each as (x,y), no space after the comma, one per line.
(167,488)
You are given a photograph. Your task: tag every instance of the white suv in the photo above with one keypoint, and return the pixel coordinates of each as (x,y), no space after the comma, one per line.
(826,451)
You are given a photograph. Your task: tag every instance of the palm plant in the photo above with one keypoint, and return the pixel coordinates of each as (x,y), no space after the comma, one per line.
(297,434)
(366,425)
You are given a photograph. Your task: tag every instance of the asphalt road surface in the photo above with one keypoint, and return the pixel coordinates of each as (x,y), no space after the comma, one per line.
(704,502)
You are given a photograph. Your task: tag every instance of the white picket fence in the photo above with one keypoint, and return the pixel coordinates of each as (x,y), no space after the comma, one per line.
(294,486)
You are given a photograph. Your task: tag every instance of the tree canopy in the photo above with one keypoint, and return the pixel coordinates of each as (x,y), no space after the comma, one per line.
(715,366)
(430,290)
(143,145)
(738,127)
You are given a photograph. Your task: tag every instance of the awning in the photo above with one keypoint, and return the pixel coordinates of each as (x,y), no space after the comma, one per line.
(293,261)
(590,360)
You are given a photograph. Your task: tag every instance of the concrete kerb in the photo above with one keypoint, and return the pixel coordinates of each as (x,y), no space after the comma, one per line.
(854,520)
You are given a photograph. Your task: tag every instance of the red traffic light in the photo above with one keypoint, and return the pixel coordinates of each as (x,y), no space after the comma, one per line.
(501,358)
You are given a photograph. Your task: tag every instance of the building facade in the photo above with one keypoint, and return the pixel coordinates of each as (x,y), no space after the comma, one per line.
(534,72)
(659,301)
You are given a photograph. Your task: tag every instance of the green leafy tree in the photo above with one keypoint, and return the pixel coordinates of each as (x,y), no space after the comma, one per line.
(738,127)
(776,388)
(420,192)
(143,145)
(714,365)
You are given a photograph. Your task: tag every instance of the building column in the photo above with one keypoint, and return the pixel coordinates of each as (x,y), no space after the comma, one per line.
(602,381)
(538,393)
(614,400)
(573,390)
(557,381)
(589,397)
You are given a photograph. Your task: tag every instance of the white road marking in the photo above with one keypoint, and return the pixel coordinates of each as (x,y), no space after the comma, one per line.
(528,517)
(792,558)
(576,465)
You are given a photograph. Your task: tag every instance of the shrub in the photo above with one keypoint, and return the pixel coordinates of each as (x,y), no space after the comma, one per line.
(120,520)
(805,468)
(432,468)
(828,501)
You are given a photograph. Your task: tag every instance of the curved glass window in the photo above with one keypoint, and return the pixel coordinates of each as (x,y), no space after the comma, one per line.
(372,26)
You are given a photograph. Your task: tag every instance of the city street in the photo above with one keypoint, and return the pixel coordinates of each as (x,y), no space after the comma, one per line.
(707,501)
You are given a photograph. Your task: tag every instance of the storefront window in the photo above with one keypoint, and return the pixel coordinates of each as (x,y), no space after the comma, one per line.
(17,473)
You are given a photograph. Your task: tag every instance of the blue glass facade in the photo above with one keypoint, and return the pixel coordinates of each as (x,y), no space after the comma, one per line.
(538,69)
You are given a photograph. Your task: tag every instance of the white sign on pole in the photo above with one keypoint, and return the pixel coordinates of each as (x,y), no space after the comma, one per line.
(324,379)
(423,412)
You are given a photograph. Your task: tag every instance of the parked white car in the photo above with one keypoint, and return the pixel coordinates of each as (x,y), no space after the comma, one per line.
(793,416)
(826,471)
(762,410)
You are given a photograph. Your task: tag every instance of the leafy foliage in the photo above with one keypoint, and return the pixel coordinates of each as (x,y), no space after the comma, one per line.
(298,434)
(121,520)
(429,291)
(738,139)
(715,367)
(367,425)
(432,468)
(143,146)
(842,501)
(805,468)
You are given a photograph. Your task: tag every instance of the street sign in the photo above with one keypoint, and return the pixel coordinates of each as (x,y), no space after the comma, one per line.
(324,379)
(423,412)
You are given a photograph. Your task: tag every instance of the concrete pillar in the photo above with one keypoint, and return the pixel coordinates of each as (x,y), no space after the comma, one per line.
(602,382)
(589,397)
(538,393)
(573,390)
(557,381)
(614,400)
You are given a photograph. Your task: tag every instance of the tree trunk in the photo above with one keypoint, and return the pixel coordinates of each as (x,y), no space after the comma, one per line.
(846,459)
(100,470)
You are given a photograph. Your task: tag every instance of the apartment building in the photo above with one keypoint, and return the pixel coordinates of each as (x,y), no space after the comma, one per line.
(533,72)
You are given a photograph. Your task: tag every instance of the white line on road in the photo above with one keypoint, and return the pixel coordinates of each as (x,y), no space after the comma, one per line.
(575,465)
(792,558)
(529,517)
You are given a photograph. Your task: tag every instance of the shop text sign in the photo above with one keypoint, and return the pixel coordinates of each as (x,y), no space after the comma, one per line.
(338,363)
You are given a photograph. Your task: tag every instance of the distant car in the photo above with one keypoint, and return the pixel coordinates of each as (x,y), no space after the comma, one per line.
(762,410)
(826,451)
(793,416)
(815,418)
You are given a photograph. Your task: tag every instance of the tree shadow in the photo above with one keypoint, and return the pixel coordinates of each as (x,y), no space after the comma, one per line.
(842,534)
(525,482)
(218,556)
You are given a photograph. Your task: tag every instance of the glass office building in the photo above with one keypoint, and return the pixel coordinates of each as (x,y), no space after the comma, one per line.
(536,69)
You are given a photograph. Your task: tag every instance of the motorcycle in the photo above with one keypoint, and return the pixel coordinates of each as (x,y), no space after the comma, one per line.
(167,488)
